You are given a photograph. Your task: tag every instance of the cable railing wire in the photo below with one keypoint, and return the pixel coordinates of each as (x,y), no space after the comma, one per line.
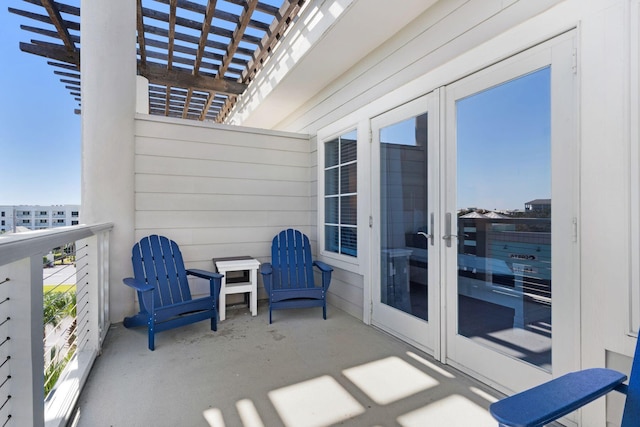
(60,321)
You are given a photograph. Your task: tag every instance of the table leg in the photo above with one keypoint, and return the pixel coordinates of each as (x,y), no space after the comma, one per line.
(222,299)
(254,292)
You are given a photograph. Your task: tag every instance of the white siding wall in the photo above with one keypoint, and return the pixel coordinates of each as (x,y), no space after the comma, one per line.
(219,191)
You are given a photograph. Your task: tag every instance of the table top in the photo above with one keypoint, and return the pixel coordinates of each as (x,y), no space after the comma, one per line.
(237,264)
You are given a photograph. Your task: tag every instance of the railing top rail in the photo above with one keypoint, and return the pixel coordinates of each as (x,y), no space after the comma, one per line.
(22,245)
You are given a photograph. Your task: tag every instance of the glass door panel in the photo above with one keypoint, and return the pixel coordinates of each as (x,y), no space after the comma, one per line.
(504,218)
(403,216)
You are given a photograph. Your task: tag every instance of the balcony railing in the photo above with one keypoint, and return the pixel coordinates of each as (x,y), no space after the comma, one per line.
(22,323)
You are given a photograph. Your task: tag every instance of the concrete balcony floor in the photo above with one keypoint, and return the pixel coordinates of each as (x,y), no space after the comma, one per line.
(299,371)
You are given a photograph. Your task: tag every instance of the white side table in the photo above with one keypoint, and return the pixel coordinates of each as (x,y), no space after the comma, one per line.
(250,265)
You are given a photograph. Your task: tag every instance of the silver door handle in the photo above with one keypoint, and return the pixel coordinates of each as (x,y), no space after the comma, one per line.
(447,229)
(430,235)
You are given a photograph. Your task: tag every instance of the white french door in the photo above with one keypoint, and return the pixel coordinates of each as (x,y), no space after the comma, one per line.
(474,238)
(405,184)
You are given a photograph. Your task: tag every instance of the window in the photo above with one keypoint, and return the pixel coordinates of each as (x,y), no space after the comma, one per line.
(2,214)
(74,214)
(74,223)
(341,195)
(3,223)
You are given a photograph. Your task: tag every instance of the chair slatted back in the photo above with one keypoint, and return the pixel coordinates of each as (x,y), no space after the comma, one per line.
(631,414)
(291,260)
(158,261)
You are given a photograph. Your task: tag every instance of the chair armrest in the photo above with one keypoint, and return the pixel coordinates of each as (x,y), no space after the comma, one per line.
(326,270)
(138,285)
(548,402)
(215,280)
(204,274)
(266,270)
(323,266)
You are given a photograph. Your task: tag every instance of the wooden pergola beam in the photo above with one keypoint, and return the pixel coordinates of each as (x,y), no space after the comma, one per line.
(140,29)
(158,74)
(172,33)
(204,33)
(238,34)
(288,11)
(59,23)
(51,51)
(47,33)
(43,18)
(202,43)
(207,105)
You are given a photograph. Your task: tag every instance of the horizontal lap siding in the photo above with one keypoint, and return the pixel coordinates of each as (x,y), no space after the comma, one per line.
(218,191)
(346,292)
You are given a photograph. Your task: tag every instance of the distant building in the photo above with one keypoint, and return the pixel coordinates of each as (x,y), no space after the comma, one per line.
(538,205)
(36,217)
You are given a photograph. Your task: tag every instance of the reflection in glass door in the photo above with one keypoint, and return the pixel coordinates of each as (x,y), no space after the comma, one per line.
(504,218)
(403,222)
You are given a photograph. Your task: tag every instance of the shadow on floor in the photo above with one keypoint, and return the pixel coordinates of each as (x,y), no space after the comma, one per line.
(300,371)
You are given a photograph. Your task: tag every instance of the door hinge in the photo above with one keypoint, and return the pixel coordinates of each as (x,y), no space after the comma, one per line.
(370,136)
(370,221)
(574,61)
(574,230)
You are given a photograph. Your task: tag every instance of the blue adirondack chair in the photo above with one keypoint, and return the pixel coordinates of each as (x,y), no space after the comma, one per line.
(163,291)
(548,402)
(288,279)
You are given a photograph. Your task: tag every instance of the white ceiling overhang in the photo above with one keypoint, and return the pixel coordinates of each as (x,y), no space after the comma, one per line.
(329,38)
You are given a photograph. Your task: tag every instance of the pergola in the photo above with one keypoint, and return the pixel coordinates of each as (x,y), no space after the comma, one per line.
(198,56)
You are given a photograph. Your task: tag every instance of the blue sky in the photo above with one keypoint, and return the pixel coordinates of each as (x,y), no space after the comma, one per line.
(504,144)
(39,132)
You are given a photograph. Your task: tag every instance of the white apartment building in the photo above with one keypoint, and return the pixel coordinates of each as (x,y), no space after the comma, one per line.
(37,217)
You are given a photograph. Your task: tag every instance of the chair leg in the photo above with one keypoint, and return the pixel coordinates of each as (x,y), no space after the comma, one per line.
(214,322)
(270,314)
(151,337)
(324,311)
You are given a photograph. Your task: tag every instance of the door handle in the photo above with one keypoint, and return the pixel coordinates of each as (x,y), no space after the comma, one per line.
(430,235)
(447,229)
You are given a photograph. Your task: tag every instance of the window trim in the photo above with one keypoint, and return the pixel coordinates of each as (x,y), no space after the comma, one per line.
(346,262)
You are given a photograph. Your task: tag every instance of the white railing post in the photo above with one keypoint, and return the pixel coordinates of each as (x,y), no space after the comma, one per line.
(25,327)
(103,283)
(96,283)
